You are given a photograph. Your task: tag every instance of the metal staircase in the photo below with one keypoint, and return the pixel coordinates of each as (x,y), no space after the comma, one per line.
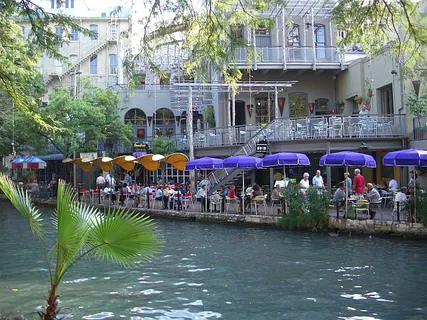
(85,56)
(224,176)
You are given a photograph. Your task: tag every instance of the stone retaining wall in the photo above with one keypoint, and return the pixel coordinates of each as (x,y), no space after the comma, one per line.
(393,228)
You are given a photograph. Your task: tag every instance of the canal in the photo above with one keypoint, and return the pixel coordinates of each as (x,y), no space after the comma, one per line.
(209,271)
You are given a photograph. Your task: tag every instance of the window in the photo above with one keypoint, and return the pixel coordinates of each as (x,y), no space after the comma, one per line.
(264,109)
(237,34)
(386,99)
(293,36)
(94,30)
(72,4)
(94,64)
(58,32)
(58,3)
(136,117)
(66,3)
(23,30)
(113,31)
(262,36)
(298,104)
(113,64)
(74,34)
(52,4)
(320,35)
(164,122)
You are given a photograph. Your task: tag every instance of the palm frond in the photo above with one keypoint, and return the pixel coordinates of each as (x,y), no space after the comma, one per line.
(72,219)
(124,238)
(21,200)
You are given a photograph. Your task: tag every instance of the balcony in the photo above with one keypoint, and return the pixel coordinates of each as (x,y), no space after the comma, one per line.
(293,56)
(305,129)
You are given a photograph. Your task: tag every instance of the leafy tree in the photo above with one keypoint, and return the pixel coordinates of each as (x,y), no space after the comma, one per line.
(417,105)
(83,230)
(19,57)
(84,121)
(372,24)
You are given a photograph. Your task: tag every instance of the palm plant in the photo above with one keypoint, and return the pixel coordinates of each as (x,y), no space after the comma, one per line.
(165,146)
(116,235)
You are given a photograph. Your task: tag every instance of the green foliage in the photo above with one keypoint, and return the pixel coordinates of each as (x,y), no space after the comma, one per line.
(83,121)
(305,213)
(417,105)
(373,24)
(421,207)
(19,57)
(117,235)
(209,116)
(163,145)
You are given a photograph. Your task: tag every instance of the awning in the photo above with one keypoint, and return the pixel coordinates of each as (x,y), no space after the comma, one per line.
(51,157)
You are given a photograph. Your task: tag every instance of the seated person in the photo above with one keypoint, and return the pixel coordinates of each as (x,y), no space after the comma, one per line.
(373,196)
(256,192)
(339,195)
(110,192)
(276,195)
(402,198)
(392,184)
(33,187)
(159,194)
(232,192)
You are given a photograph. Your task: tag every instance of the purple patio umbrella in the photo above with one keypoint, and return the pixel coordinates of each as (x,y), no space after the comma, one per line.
(285,159)
(347,159)
(243,162)
(204,164)
(406,158)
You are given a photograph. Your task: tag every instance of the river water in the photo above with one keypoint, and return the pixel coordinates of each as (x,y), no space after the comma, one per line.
(209,271)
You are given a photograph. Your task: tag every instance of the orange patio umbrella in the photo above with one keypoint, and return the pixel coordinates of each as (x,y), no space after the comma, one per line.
(177,160)
(126,162)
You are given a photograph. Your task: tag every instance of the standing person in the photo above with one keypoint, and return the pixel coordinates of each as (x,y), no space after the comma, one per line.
(318,181)
(110,181)
(304,183)
(100,181)
(411,177)
(127,179)
(358,183)
(348,184)
(421,180)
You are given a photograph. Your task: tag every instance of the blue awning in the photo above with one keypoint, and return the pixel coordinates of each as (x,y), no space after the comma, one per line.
(51,157)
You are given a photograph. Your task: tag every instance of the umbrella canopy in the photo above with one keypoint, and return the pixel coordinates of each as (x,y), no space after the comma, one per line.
(150,162)
(104,163)
(177,160)
(34,162)
(406,158)
(348,159)
(18,162)
(83,163)
(285,159)
(205,163)
(244,162)
(126,162)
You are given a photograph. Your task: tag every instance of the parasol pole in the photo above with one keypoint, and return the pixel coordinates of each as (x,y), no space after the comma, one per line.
(346,191)
(206,194)
(243,192)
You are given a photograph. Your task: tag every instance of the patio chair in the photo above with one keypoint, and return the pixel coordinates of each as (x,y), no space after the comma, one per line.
(259,201)
(361,207)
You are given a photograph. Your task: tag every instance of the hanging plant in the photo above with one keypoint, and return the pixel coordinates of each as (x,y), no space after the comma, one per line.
(209,115)
(369,93)
(358,99)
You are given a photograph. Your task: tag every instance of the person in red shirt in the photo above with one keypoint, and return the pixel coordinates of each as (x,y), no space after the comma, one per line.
(232,192)
(358,182)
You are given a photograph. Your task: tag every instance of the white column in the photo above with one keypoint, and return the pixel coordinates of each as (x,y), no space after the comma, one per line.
(120,66)
(234,109)
(190,136)
(276,103)
(284,38)
(314,39)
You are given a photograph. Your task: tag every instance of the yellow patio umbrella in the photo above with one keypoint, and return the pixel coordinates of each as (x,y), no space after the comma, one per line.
(83,163)
(177,160)
(104,163)
(126,162)
(150,162)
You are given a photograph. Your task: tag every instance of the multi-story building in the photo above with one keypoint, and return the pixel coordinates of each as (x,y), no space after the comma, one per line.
(301,94)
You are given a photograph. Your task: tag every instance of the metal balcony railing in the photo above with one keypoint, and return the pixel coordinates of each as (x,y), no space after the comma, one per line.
(323,127)
(420,128)
(292,54)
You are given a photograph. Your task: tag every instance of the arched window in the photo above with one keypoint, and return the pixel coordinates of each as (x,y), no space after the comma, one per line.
(298,104)
(135,117)
(264,108)
(164,122)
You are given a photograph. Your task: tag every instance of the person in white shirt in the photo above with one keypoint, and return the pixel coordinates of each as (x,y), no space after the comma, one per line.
(305,183)
(318,181)
(100,181)
(109,179)
(159,194)
(392,184)
(400,198)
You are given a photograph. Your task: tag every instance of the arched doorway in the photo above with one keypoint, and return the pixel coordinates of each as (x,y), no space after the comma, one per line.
(197,121)
(137,119)
(164,123)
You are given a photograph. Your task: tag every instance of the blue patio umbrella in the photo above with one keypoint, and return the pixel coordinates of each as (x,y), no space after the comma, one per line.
(285,159)
(406,158)
(205,163)
(347,159)
(243,162)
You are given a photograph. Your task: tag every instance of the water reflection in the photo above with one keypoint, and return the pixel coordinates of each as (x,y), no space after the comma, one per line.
(215,271)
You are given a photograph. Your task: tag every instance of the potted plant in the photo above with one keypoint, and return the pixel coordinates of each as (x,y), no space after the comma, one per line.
(340,105)
(369,93)
(358,99)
